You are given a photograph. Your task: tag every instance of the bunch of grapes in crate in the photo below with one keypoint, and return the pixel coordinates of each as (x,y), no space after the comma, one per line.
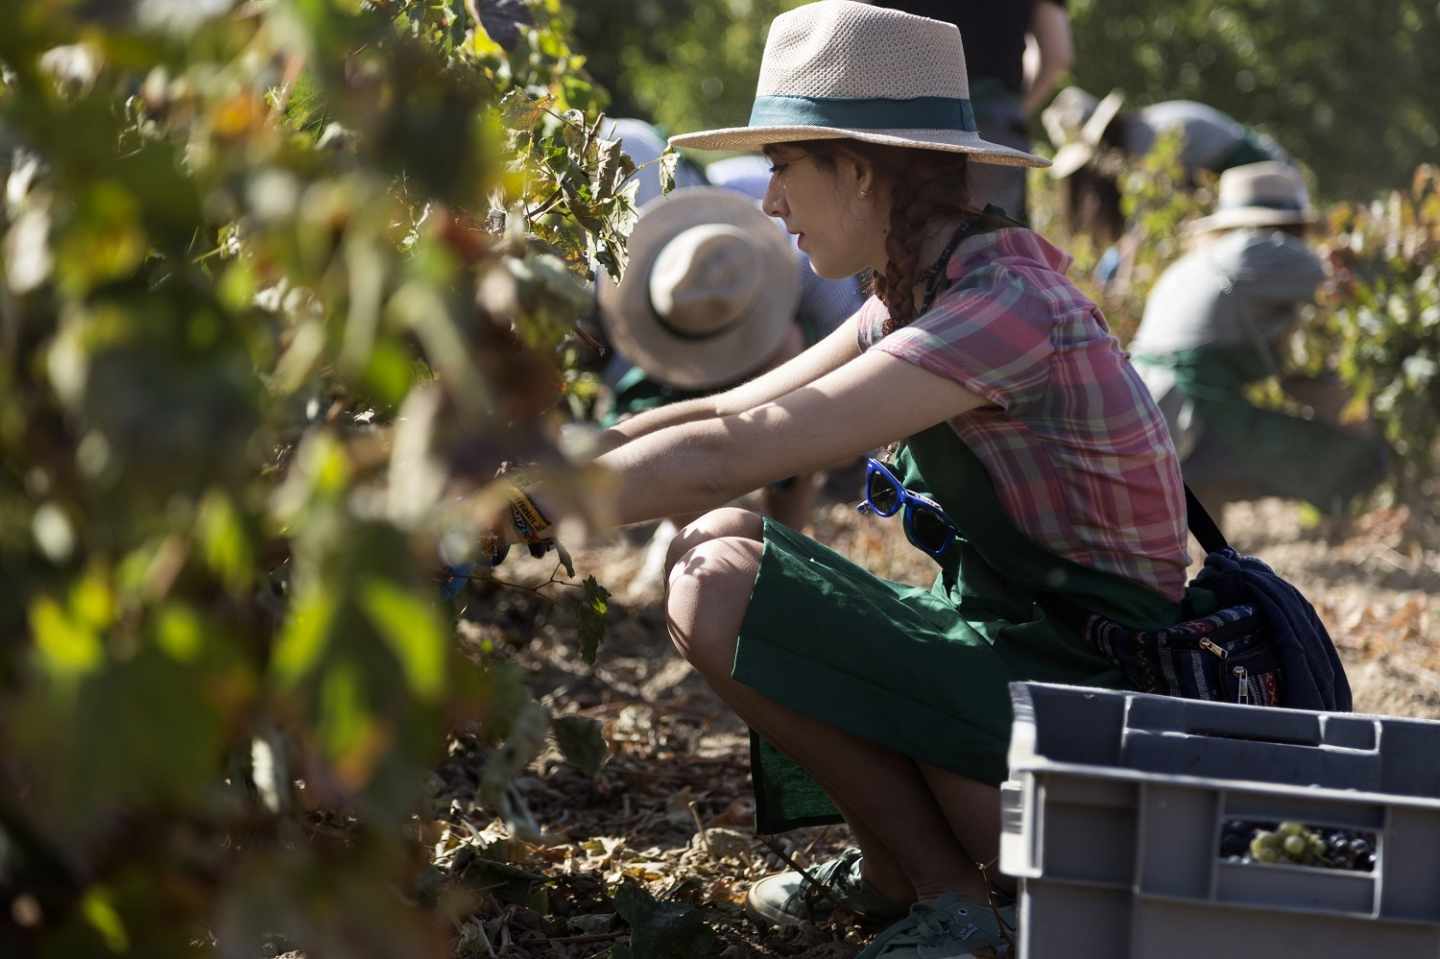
(1297,844)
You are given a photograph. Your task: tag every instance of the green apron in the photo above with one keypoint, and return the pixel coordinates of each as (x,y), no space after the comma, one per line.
(1243,452)
(923,672)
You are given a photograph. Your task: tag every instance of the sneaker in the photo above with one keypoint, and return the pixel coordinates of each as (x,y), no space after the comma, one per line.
(948,928)
(789,898)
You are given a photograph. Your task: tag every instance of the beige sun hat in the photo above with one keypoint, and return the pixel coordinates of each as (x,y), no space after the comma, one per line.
(839,69)
(710,291)
(1258,194)
(1066,113)
(1076,147)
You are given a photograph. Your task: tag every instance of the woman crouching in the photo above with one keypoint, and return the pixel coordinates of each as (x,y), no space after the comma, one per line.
(1029,461)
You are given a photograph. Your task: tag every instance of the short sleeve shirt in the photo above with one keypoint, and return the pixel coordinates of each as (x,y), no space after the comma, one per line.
(1079,454)
(1244,289)
(1211,137)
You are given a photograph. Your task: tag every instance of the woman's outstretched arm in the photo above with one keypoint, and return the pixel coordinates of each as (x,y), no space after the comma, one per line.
(873,400)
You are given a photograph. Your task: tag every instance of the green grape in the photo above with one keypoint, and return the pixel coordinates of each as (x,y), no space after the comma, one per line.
(1265,847)
(1296,847)
(1288,829)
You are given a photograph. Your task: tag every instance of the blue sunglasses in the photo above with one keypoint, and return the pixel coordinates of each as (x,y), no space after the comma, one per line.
(926,526)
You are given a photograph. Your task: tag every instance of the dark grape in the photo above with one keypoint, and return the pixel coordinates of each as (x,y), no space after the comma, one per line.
(1234,844)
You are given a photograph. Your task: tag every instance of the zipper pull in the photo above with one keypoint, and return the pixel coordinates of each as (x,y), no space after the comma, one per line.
(1242,676)
(1212,647)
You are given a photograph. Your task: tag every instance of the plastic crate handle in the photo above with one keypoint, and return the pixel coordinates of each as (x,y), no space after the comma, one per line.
(1158,714)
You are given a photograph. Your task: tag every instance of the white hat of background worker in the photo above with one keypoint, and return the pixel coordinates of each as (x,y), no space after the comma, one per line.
(1259,194)
(710,291)
(1077,147)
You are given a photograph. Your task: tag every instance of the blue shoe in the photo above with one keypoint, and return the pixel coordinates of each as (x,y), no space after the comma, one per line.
(947,928)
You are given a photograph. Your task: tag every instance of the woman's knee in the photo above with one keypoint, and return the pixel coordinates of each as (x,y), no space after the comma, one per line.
(728,521)
(709,593)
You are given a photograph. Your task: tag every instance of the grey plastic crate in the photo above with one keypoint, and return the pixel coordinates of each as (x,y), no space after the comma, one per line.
(1113,813)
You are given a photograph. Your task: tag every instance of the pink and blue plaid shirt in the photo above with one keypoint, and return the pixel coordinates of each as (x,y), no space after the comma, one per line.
(1078,452)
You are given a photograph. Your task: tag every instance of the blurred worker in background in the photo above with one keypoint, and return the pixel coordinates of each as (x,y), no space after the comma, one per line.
(1095,138)
(1216,321)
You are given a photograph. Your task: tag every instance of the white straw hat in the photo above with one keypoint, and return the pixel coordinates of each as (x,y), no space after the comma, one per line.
(1066,113)
(710,291)
(839,69)
(1077,147)
(1259,194)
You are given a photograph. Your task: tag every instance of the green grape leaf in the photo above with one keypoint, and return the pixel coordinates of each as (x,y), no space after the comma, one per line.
(226,543)
(305,635)
(504,763)
(662,930)
(413,631)
(67,649)
(608,168)
(581,742)
(100,913)
(179,632)
(520,110)
(594,608)
(346,725)
(481,43)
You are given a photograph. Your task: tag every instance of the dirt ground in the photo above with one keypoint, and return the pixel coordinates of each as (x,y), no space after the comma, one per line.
(671,809)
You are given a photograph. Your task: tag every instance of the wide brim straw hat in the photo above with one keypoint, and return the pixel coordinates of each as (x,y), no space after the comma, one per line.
(1075,153)
(1258,194)
(838,69)
(709,294)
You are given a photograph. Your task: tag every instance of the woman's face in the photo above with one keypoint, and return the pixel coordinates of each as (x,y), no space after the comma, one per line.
(834,209)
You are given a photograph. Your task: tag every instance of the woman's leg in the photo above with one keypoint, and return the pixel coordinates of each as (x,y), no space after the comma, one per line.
(973,811)
(878,865)
(884,795)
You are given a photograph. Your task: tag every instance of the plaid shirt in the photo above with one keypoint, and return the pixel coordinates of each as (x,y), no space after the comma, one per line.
(1077,450)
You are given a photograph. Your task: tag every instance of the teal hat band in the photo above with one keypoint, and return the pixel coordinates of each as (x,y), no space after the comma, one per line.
(878,113)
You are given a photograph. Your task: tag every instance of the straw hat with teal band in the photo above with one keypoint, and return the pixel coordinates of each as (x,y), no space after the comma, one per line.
(839,69)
